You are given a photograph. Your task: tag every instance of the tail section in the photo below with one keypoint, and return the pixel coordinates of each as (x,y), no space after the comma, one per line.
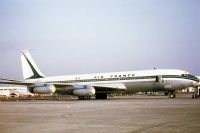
(30,69)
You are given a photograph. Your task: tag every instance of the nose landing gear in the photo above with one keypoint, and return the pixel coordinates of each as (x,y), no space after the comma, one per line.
(194,95)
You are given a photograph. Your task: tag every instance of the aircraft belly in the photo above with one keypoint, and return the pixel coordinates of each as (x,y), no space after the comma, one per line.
(175,84)
(143,86)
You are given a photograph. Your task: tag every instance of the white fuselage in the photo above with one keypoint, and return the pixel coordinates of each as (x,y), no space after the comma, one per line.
(135,81)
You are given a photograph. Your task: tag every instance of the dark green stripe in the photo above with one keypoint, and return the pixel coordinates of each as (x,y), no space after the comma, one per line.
(35,73)
(190,77)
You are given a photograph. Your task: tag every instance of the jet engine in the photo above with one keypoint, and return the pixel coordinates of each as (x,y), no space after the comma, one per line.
(43,89)
(83,90)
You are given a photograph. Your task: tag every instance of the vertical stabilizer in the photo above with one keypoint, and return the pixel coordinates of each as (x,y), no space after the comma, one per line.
(30,69)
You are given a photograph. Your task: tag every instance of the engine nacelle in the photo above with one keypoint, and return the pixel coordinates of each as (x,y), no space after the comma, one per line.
(83,90)
(44,89)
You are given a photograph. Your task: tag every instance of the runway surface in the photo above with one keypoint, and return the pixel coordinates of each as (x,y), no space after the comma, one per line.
(118,115)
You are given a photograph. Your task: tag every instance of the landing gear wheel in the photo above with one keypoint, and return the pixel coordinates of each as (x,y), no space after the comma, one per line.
(166,93)
(84,97)
(194,96)
(172,95)
(101,96)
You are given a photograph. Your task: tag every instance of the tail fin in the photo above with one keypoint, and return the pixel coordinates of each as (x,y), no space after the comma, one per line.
(30,69)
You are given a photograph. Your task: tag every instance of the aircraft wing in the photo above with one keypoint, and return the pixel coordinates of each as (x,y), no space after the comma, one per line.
(100,88)
(115,86)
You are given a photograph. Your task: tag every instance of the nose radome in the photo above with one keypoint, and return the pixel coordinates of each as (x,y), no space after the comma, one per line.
(196,84)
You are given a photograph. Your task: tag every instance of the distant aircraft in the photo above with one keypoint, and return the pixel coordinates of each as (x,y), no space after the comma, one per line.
(15,91)
(101,84)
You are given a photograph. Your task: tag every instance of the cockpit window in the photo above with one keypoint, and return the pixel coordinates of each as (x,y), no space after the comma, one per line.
(189,76)
(184,75)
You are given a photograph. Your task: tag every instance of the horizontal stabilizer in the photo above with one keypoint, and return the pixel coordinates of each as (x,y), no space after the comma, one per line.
(13,82)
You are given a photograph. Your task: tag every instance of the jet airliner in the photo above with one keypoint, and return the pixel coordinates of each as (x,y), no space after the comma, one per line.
(101,84)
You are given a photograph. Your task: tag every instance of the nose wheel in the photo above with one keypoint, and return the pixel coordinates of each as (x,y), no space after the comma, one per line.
(194,96)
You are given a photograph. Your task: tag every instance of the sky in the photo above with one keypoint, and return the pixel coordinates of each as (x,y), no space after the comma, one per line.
(91,36)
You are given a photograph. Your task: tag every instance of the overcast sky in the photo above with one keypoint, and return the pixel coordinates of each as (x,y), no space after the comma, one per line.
(90,36)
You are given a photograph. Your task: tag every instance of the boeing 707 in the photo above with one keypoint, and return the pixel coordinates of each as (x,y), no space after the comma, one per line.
(101,84)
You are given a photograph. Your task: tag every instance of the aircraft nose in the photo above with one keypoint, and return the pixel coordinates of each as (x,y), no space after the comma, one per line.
(196,84)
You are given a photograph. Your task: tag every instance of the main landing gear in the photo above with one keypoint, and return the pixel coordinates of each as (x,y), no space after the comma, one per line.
(194,96)
(195,93)
(101,96)
(84,97)
(98,96)
(172,94)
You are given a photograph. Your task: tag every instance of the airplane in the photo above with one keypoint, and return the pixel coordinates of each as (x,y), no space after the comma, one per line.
(101,84)
(14,91)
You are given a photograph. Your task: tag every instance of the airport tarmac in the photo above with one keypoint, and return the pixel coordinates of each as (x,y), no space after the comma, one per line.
(133,114)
